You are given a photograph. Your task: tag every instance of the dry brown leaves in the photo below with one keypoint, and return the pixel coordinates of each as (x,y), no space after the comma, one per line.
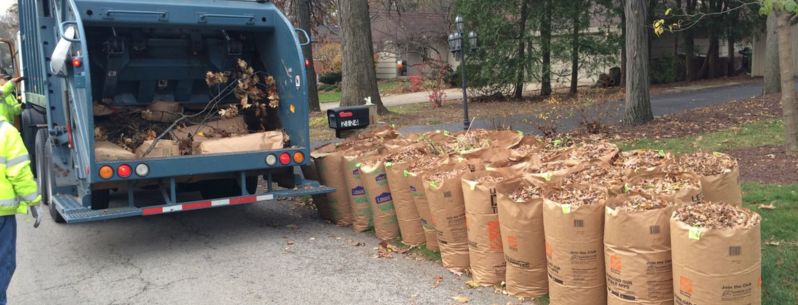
(643,203)
(716,216)
(591,151)
(526,191)
(642,159)
(577,196)
(447,174)
(666,183)
(600,174)
(707,164)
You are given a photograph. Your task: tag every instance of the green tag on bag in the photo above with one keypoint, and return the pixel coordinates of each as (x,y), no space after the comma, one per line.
(406,173)
(566,209)
(694,233)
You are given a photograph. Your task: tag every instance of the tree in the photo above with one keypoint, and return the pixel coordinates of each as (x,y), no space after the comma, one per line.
(784,12)
(359,76)
(637,101)
(576,16)
(522,45)
(772,79)
(303,14)
(545,36)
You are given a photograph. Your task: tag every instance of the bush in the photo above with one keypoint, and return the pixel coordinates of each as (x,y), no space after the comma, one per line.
(330,78)
(663,70)
(326,87)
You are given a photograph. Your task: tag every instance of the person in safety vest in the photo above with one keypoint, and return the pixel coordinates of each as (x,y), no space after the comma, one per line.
(9,107)
(18,193)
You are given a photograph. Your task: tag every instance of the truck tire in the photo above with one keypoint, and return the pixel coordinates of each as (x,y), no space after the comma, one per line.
(100,199)
(40,165)
(31,117)
(49,183)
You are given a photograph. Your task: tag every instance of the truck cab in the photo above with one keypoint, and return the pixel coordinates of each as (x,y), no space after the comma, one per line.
(81,55)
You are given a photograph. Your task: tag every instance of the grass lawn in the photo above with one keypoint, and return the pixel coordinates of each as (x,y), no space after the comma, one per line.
(769,132)
(779,226)
(386,87)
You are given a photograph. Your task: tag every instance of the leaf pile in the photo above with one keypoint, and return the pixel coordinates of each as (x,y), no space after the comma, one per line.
(642,159)
(591,151)
(708,164)
(549,167)
(447,174)
(597,173)
(578,196)
(643,203)
(665,184)
(526,191)
(716,216)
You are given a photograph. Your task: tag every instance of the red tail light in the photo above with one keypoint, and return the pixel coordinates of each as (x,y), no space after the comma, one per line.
(307,62)
(124,171)
(285,158)
(77,62)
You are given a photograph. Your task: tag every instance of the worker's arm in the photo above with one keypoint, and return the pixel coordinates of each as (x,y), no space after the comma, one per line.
(18,170)
(8,88)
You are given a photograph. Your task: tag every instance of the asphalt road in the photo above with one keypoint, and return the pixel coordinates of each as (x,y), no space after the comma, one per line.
(265,253)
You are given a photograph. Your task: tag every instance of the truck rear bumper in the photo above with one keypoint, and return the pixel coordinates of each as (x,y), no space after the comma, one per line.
(74,212)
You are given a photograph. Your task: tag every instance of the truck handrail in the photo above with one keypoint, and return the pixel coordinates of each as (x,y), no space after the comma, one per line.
(307,37)
(204,17)
(62,34)
(162,16)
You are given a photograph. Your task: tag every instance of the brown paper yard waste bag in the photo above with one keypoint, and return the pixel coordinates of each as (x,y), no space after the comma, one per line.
(416,170)
(380,200)
(162,149)
(361,212)
(107,151)
(573,221)
(484,233)
(523,241)
(637,250)
(716,255)
(719,175)
(330,166)
(406,212)
(445,198)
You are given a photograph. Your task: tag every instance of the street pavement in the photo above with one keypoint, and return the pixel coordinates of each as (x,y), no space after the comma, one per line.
(265,253)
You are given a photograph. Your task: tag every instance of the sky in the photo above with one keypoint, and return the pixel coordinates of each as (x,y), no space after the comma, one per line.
(4,4)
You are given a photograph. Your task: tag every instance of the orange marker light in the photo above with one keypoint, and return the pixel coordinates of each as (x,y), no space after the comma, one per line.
(106,172)
(299,157)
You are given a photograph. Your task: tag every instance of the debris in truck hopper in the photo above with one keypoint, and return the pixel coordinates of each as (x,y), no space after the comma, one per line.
(162,111)
(274,99)
(229,112)
(164,148)
(107,151)
(268,140)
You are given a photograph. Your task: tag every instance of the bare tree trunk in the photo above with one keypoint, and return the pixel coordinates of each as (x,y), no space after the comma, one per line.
(730,67)
(359,76)
(788,105)
(520,73)
(712,56)
(772,79)
(637,102)
(689,45)
(545,36)
(623,49)
(575,47)
(303,14)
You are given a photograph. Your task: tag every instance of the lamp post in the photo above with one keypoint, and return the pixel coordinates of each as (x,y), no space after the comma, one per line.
(459,48)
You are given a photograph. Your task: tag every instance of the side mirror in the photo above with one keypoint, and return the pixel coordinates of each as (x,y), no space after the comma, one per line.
(8,57)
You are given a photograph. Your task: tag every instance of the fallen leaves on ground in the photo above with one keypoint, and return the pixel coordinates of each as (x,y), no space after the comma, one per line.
(461,299)
(770,206)
(438,280)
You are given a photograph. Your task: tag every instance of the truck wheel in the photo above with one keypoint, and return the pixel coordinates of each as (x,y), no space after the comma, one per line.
(49,183)
(100,199)
(40,167)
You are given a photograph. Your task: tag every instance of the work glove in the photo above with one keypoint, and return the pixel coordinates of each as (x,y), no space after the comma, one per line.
(36,213)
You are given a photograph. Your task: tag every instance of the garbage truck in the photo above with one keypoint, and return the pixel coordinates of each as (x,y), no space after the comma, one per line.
(110,85)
